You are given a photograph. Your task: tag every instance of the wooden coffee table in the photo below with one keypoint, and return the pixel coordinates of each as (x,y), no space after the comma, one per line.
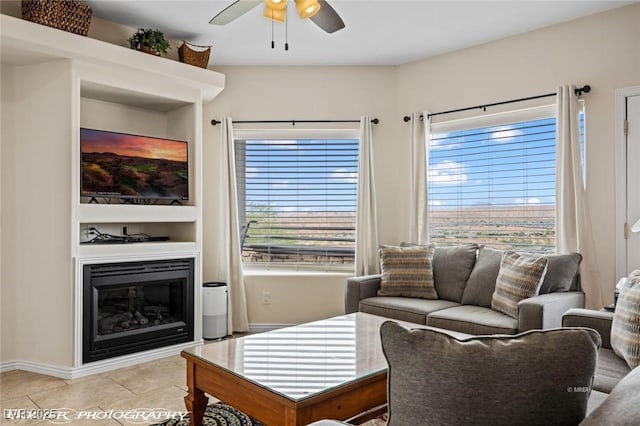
(332,368)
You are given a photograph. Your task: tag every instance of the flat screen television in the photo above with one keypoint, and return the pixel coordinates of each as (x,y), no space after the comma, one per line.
(125,166)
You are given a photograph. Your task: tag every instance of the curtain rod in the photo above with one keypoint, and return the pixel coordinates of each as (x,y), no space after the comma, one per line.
(215,122)
(579,91)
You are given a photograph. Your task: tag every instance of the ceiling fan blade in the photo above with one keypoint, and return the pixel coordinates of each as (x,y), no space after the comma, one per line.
(327,18)
(234,11)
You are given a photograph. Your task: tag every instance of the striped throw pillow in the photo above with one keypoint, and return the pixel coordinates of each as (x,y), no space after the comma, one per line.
(625,329)
(520,277)
(407,271)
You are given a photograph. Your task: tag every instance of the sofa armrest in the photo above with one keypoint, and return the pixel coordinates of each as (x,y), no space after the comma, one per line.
(359,288)
(600,321)
(545,310)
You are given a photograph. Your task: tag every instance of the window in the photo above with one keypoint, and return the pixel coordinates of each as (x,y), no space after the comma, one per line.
(297,196)
(492,181)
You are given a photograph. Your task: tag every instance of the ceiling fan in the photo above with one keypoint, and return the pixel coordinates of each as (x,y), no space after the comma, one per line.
(319,11)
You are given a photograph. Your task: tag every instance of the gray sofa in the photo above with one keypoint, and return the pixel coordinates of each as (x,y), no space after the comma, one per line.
(465,278)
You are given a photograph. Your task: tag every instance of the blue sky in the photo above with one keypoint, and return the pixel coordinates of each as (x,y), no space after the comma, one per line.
(302,175)
(510,165)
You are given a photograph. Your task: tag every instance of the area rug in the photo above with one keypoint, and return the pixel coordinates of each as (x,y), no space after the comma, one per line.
(217,414)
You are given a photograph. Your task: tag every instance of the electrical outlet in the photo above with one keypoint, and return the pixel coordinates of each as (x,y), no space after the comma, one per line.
(266,297)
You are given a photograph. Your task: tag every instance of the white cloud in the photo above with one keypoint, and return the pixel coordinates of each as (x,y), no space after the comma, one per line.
(438,142)
(345,175)
(284,184)
(436,203)
(251,172)
(527,201)
(505,134)
(277,143)
(447,173)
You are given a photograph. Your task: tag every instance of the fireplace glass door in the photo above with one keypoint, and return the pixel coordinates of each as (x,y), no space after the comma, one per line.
(135,306)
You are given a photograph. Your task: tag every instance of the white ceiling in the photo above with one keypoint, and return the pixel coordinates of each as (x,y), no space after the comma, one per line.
(376,33)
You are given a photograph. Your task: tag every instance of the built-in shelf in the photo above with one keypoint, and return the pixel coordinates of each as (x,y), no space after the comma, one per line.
(53,84)
(126,213)
(27,43)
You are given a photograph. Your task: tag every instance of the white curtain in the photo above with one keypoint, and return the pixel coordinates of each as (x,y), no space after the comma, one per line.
(228,244)
(573,223)
(366,220)
(419,214)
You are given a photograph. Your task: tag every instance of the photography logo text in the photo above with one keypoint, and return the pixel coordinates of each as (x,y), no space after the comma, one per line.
(68,415)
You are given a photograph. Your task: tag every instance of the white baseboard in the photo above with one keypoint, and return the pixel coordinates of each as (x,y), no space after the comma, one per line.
(121,361)
(97,366)
(262,327)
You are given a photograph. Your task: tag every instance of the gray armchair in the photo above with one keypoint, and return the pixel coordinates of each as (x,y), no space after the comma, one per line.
(536,377)
(611,368)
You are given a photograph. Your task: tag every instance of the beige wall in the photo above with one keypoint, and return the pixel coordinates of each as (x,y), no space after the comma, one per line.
(276,93)
(600,50)
(597,50)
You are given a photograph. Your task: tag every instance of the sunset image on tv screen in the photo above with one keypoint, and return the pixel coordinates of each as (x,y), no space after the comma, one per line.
(118,165)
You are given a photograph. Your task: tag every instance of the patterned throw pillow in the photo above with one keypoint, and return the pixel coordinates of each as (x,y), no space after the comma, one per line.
(407,271)
(520,277)
(625,329)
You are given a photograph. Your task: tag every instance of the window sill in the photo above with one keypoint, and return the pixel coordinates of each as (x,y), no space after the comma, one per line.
(261,272)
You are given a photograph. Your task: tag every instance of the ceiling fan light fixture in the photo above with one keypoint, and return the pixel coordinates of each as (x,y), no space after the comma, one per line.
(278,15)
(307,8)
(276,4)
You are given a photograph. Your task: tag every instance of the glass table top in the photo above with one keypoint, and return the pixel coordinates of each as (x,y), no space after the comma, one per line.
(305,360)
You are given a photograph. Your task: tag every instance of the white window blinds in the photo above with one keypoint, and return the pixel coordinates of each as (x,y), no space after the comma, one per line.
(494,184)
(297,200)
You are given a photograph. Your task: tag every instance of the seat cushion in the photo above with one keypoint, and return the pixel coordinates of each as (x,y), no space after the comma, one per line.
(403,308)
(622,406)
(473,320)
(595,399)
(611,369)
(407,271)
(451,269)
(436,378)
(482,280)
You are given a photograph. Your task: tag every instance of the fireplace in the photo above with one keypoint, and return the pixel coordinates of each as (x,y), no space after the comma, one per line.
(135,306)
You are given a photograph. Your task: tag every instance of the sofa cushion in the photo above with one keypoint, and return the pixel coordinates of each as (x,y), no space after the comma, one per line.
(520,277)
(407,271)
(622,407)
(482,280)
(611,369)
(488,380)
(625,329)
(562,273)
(473,320)
(595,399)
(403,308)
(451,269)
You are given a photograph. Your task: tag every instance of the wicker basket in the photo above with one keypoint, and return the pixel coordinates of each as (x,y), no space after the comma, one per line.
(198,58)
(66,15)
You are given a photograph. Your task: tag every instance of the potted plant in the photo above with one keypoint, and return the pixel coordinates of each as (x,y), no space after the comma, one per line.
(149,41)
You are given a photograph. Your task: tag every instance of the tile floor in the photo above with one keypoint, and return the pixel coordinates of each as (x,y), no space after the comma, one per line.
(155,384)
